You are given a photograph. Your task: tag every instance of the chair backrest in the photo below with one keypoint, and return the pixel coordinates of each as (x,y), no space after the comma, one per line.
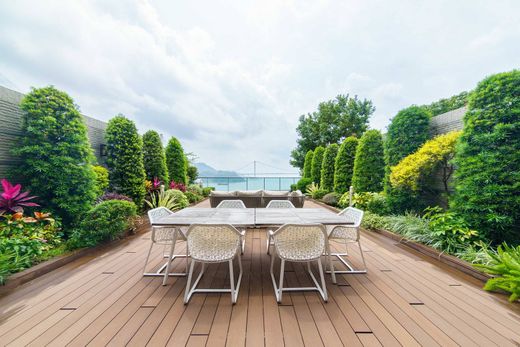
(231,204)
(353,215)
(280,204)
(308,240)
(157,213)
(213,241)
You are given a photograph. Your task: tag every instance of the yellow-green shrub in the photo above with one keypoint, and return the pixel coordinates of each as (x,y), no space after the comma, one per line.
(414,168)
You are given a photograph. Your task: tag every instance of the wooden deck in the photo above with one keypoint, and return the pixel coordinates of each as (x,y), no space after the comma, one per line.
(405,299)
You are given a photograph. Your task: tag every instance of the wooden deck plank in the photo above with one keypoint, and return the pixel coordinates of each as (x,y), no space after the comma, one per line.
(255,315)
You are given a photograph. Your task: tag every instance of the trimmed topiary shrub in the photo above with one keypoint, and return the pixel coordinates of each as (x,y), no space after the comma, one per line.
(369,165)
(154,159)
(125,159)
(55,154)
(102,181)
(344,167)
(307,165)
(488,160)
(327,167)
(176,162)
(302,184)
(107,221)
(317,160)
(408,131)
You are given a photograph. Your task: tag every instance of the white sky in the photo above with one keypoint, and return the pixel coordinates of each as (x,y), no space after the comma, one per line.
(231,78)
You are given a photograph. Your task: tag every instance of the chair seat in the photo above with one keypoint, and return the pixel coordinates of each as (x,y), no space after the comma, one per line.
(298,251)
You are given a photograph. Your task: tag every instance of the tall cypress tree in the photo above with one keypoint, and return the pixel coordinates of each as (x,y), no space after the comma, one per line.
(369,165)
(327,167)
(176,161)
(56,158)
(344,168)
(307,166)
(125,159)
(154,158)
(316,164)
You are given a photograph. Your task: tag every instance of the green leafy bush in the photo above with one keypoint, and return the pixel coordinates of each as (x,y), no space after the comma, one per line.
(125,159)
(505,265)
(373,221)
(102,181)
(55,154)
(369,165)
(488,161)
(179,197)
(344,167)
(302,184)
(154,159)
(162,199)
(206,191)
(176,162)
(317,160)
(372,202)
(193,197)
(445,105)
(307,165)
(344,200)
(315,191)
(11,263)
(327,167)
(108,220)
(195,188)
(331,199)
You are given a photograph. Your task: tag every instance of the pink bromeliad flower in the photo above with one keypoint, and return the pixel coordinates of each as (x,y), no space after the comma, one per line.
(13,200)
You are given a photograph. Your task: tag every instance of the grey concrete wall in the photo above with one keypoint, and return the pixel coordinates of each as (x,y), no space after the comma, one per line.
(11,124)
(449,121)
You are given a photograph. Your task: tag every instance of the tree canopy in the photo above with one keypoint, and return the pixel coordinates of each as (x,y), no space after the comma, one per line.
(333,121)
(154,158)
(176,162)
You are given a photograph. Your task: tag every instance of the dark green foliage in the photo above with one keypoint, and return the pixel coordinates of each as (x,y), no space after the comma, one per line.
(193,173)
(345,165)
(327,167)
(408,131)
(125,159)
(56,158)
(335,119)
(317,160)
(331,199)
(206,191)
(102,181)
(154,160)
(176,161)
(108,220)
(193,197)
(307,166)
(488,160)
(445,105)
(302,184)
(369,165)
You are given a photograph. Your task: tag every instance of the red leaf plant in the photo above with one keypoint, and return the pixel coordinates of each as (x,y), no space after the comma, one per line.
(178,186)
(13,200)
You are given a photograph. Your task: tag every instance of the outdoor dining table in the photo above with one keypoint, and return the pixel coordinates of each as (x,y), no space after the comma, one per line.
(251,217)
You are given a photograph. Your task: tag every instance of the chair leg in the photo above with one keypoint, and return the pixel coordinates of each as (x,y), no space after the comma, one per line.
(188,283)
(232,282)
(323,285)
(362,256)
(351,270)
(280,287)
(147,258)
(167,271)
(331,265)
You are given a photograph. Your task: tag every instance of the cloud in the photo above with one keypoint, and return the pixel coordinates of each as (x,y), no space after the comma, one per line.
(230,80)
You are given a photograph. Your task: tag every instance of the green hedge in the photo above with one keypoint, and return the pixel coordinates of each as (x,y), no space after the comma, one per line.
(307,166)
(154,159)
(55,154)
(369,165)
(327,167)
(176,162)
(125,159)
(317,160)
(488,160)
(108,220)
(345,165)
(102,181)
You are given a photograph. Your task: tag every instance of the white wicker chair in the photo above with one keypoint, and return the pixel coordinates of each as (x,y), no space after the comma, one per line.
(213,243)
(300,243)
(235,204)
(166,236)
(231,204)
(347,234)
(276,204)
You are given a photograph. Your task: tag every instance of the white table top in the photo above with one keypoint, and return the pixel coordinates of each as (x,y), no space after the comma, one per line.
(252,217)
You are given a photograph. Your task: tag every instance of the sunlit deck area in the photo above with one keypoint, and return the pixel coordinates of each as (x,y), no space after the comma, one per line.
(405,299)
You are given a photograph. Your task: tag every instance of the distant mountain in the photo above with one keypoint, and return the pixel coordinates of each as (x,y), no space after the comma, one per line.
(207,171)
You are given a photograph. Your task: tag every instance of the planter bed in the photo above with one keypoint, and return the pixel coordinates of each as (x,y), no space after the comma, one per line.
(444,258)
